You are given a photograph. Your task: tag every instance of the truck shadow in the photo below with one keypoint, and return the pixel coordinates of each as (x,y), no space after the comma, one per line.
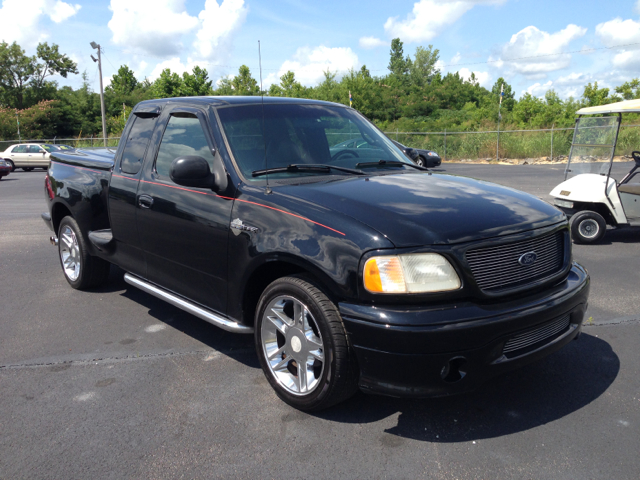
(237,346)
(532,396)
(621,235)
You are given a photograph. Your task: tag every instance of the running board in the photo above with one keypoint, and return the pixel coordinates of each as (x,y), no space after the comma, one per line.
(187,306)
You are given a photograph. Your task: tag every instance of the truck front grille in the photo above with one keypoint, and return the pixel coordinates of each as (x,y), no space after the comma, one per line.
(499,268)
(518,344)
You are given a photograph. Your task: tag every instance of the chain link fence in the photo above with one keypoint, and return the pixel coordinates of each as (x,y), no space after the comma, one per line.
(552,143)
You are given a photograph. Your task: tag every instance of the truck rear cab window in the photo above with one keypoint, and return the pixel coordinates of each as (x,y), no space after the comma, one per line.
(134,150)
(183,136)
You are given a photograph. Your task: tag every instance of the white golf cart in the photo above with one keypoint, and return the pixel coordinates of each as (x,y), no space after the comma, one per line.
(589,196)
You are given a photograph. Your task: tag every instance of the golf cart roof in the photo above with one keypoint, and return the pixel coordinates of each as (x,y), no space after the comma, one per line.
(627,106)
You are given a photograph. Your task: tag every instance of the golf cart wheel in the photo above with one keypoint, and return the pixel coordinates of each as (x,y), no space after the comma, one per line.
(587,227)
(302,345)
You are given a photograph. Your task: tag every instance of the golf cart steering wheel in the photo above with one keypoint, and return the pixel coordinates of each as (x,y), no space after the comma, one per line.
(636,157)
(344,152)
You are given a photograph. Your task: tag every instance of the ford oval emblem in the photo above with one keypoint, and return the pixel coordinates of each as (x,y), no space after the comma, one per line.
(527,259)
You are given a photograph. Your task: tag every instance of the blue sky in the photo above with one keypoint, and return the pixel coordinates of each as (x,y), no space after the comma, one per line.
(492,38)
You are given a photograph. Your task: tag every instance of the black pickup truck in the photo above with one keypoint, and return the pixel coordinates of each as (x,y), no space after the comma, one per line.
(353,269)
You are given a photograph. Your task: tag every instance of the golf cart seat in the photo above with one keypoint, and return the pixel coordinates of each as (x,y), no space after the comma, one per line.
(632,185)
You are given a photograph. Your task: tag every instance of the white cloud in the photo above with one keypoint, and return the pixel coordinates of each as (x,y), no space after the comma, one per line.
(637,9)
(174,64)
(618,32)
(430,17)
(61,11)
(622,32)
(309,64)
(21,19)
(154,26)
(485,79)
(372,42)
(456,59)
(532,42)
(218,22)
(538,90)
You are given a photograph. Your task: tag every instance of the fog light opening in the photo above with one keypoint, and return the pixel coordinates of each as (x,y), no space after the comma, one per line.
(454,371)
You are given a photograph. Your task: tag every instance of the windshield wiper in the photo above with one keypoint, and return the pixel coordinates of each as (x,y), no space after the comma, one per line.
(306,167)
(390,163)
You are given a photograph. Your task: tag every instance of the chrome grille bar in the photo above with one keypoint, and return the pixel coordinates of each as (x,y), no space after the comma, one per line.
(497,267)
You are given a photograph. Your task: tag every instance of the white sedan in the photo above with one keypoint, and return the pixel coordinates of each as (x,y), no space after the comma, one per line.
(28,155)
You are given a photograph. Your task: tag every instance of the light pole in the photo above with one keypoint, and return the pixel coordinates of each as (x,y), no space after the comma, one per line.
(18,122)
(99,60)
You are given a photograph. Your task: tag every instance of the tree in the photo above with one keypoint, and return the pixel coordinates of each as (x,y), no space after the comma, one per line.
(629,90)
(244,83)
(398,65)
(423,67)
(124,82)
(23,79)
(53,63)
(508,99)
(196,83)
(16,70)
(594,96)
(167,85)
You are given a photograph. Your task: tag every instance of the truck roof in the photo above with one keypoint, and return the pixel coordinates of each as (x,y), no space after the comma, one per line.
(238,100)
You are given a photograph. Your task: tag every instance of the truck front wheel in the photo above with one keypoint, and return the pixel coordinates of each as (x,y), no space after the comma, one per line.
(302,345)
(81,270)
(587,227)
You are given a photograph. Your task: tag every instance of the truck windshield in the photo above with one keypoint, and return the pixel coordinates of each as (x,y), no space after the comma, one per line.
(594,141)
(305,134)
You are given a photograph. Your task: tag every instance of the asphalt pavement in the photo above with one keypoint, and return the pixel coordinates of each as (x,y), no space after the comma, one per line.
(114,383)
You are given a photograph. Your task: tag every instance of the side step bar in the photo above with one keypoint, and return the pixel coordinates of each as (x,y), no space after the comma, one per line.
(187,306)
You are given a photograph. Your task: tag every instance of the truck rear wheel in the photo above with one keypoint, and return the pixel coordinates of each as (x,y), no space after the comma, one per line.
(302,345)
(81,270)
(587,227)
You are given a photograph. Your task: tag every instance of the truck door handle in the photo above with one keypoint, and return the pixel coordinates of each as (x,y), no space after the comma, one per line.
(145,201)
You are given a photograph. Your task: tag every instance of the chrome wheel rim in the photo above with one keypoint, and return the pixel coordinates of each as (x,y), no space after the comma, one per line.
(70,253)
(292,345)
(589,228)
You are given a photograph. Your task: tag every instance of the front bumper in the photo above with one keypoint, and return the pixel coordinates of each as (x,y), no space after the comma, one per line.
(424,351)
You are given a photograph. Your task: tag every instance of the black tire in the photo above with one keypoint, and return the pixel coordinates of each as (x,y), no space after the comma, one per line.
(587,227)
(81,270)
(421,161)
(329,380)
(11,164)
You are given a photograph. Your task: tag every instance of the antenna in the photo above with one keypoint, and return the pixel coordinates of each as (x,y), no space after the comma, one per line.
(264,141)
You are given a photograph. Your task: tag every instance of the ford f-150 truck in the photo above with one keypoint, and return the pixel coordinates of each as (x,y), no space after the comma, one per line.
(352,269)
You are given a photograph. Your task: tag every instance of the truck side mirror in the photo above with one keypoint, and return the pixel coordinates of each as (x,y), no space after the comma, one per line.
(191,171)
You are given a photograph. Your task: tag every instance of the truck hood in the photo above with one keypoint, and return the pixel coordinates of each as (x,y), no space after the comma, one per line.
(414,209)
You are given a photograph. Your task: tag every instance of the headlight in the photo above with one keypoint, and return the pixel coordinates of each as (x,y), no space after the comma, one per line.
(432,154)
(563,203)
(413,273)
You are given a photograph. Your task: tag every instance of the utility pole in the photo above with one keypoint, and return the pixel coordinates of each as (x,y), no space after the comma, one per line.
(499,118)
(99,60)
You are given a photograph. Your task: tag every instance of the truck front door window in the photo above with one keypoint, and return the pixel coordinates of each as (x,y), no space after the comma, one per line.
(183,136)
